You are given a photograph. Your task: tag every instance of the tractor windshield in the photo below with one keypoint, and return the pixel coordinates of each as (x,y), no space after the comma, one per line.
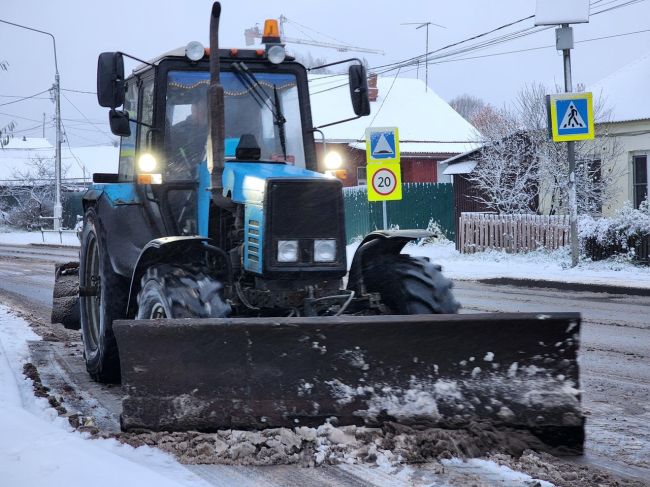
(251,110)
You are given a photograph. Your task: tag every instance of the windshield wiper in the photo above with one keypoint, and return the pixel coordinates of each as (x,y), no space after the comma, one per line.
(261,96)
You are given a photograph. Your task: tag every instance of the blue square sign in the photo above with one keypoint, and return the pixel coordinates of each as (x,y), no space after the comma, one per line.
(382,144)
(571,116)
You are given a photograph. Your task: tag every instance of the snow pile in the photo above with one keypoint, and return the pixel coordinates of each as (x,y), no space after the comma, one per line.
(543,265)
(37,446)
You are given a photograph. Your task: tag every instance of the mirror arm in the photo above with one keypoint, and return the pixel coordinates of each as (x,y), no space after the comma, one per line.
(135,58)
(335,63)
(335,123)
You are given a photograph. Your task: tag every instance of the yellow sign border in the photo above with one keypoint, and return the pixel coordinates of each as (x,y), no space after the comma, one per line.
(371,170)
(590,117)
(369,158)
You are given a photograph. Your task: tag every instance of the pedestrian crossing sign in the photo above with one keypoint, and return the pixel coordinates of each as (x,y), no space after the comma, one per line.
(382,145)
(571,116)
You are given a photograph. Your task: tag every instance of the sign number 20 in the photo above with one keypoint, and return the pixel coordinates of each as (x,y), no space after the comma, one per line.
(384,182)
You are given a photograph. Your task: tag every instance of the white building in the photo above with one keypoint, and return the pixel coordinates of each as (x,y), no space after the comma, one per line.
(625,92)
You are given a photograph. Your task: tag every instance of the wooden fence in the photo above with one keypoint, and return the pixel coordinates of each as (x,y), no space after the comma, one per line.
(512,233)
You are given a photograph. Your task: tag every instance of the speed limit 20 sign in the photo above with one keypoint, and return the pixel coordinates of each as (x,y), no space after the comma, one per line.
(384,182)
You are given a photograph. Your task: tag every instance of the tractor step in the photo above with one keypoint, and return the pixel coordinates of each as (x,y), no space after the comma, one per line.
(513,370)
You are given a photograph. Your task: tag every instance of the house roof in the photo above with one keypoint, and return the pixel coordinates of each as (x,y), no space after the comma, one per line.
(426,123)
(464,167)
(624,91)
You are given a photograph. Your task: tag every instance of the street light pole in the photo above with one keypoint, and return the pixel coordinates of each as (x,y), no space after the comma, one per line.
(58,208)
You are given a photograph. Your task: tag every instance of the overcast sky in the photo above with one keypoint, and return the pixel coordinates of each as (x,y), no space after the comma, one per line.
(146,28)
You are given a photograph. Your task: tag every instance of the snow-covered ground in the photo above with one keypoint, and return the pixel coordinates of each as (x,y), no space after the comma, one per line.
(539,265)
(38,447)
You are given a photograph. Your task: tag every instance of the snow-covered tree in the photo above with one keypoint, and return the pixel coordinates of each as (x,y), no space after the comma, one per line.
(520,166)
(30,195)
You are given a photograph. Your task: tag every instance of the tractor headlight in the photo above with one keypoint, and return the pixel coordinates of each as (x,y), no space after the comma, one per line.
(276,54)
(194,50)
(147,163)
(333,160)
(287,251)
(324,250)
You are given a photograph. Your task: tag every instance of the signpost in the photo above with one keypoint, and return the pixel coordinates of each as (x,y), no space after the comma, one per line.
(561,12)
(383,169)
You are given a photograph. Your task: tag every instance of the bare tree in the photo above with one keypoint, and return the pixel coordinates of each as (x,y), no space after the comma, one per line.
(520,166)
(467,106)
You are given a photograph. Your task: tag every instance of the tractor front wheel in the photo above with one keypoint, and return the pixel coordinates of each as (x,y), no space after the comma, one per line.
(102,299)
(169,291)
(410,285)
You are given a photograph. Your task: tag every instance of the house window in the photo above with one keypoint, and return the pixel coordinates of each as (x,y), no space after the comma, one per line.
(640,178)
(361,176)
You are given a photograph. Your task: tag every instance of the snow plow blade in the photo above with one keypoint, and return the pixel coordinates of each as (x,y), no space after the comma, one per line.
(516,371)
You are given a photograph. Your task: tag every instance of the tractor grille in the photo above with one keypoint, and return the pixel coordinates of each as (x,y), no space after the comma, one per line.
(305,209)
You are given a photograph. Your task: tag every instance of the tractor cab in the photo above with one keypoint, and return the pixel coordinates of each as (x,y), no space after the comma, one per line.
(166,118)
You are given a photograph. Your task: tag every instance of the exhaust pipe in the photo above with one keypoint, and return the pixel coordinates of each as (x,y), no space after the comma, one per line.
(217,114)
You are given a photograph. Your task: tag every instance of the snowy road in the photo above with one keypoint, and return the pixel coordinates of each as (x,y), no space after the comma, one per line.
(615,362)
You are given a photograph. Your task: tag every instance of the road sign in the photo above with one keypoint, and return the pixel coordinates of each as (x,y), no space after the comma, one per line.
(382,145)
(571,116)
(385,182)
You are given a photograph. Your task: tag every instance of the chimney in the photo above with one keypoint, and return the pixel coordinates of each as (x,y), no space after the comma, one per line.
(373,91)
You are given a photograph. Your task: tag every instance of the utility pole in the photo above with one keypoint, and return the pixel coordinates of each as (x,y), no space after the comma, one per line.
(43,124)
(564,43)
(426,52)
(58,208)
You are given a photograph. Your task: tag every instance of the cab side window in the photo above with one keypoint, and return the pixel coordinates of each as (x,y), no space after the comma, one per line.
(126,171)
(147,114)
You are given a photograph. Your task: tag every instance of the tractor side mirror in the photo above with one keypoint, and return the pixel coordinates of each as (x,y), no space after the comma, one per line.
(359,90)
(110,80)
(119,121)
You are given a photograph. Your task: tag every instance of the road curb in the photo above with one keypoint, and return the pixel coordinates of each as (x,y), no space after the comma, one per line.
(52,245)
(566,286)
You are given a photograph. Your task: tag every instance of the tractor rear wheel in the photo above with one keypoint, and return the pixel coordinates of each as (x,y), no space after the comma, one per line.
(170,291)
(410,285)
(102,300)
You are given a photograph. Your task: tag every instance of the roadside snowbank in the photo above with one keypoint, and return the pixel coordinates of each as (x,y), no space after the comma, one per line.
(538,265)
(37,446)
(9,236)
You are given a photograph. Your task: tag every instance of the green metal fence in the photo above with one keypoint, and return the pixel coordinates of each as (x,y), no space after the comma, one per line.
(421,203)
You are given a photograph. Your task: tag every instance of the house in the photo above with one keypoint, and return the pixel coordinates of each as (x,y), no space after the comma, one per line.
(430,130)
(625,93)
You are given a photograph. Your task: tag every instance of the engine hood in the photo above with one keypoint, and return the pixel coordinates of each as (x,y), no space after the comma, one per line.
(245,182)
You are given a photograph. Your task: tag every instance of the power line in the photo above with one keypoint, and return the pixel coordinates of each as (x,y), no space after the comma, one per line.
(86,118)
(25,98)
(81,165)
(385,98)
(79,91)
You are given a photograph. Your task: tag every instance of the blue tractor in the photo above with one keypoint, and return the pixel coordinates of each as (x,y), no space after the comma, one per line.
(212,269)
